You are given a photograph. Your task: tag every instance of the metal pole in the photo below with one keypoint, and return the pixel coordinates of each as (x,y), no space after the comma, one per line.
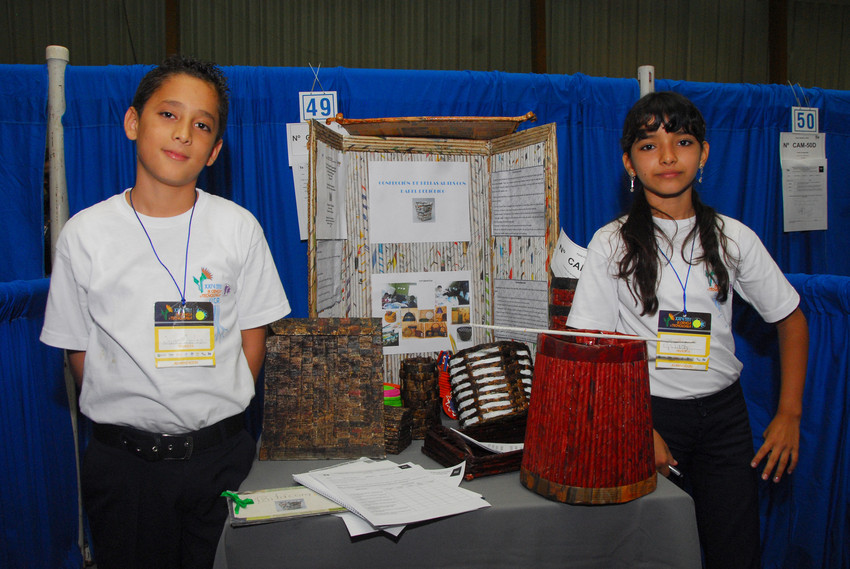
(57,60)
(646,78)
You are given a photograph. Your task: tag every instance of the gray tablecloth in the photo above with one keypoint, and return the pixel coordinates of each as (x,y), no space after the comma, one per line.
(520,529)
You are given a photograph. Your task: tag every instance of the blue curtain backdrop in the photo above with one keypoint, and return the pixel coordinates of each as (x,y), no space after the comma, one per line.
(38,521)
(23,132)
(806,517)
(742,179)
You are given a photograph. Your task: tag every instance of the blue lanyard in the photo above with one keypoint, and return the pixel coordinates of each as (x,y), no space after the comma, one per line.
(687,276)
(185,261)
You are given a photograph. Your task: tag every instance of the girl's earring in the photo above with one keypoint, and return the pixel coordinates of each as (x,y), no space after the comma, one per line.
(632,186)
(700,174)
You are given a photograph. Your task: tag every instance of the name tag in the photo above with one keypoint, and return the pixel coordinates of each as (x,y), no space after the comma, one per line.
(184,335)
(684,340)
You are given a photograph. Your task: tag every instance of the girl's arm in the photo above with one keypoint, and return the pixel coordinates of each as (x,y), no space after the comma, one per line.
(782,436)
(664,459)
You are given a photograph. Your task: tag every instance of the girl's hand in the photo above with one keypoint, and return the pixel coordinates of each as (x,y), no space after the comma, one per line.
(781,446)
(782,436)
(663,457)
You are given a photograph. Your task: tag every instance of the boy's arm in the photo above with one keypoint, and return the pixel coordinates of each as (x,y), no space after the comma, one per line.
(254,347)
(75,363)
(782,436)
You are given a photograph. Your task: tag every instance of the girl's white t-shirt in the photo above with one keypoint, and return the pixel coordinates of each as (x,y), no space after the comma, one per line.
(604,302)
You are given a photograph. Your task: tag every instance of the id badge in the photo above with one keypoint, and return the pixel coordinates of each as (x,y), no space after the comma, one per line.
(684,340)
(184,335)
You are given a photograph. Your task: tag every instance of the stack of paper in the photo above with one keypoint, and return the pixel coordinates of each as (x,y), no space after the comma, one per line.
(388,495)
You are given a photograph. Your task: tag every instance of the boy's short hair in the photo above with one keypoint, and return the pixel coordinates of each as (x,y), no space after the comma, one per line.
(181,64)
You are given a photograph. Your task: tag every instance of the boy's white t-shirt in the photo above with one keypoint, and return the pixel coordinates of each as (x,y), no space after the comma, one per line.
(105,282)
(603,302)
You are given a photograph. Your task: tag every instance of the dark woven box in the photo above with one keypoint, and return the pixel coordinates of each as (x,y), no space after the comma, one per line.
(448,448)
(398,429)
(323,389)
(419,392)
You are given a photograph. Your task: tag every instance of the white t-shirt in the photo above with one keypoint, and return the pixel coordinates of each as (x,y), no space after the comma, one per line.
(105,282)
(603,302)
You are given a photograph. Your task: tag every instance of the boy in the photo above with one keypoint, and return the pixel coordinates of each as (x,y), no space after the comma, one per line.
(166,363)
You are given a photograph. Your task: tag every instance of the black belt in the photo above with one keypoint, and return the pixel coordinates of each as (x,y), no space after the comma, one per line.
(161,446)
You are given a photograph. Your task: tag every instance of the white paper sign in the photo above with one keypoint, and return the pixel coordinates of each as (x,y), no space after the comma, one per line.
(330,193)
(299,180)
(520,304)
(804,194)
(418,202)
(794,146)
(297,136)
(568,259)
(804,119)
(519,202)
(317,105)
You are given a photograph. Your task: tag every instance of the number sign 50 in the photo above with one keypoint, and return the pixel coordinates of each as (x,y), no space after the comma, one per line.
(804,119)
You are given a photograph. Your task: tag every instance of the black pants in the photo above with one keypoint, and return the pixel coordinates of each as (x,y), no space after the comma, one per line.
(712,440)
(160,515)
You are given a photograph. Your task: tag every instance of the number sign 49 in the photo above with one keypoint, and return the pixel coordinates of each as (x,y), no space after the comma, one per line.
(317,105)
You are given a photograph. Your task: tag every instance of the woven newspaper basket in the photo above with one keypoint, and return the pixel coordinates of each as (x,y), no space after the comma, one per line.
(398,429)
(323,389)
(561,293)
(419,392)
(491,381)
(448,448)
(588,438)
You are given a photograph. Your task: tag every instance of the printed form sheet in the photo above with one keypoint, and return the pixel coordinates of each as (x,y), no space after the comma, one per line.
(388,494)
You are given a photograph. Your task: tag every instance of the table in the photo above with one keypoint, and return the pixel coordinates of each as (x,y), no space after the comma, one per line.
(520,529)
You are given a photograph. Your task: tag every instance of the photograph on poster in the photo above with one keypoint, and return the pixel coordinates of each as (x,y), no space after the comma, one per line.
(420,311)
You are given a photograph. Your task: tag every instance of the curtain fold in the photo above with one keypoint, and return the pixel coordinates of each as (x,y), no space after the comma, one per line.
(38,525)
(806,517)
(23,132)
(742,177)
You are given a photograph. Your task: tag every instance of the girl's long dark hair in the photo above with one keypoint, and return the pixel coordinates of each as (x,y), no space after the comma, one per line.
(640,263)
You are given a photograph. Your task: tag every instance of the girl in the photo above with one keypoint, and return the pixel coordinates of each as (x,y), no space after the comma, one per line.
(667,269)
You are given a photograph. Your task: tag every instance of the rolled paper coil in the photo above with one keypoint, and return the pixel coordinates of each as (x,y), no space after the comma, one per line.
(491,381)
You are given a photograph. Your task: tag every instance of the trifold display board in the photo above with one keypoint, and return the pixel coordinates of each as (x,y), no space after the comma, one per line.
(432,235)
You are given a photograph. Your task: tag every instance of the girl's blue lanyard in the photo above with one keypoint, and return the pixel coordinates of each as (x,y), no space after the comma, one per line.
(687,275)
(185,261)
